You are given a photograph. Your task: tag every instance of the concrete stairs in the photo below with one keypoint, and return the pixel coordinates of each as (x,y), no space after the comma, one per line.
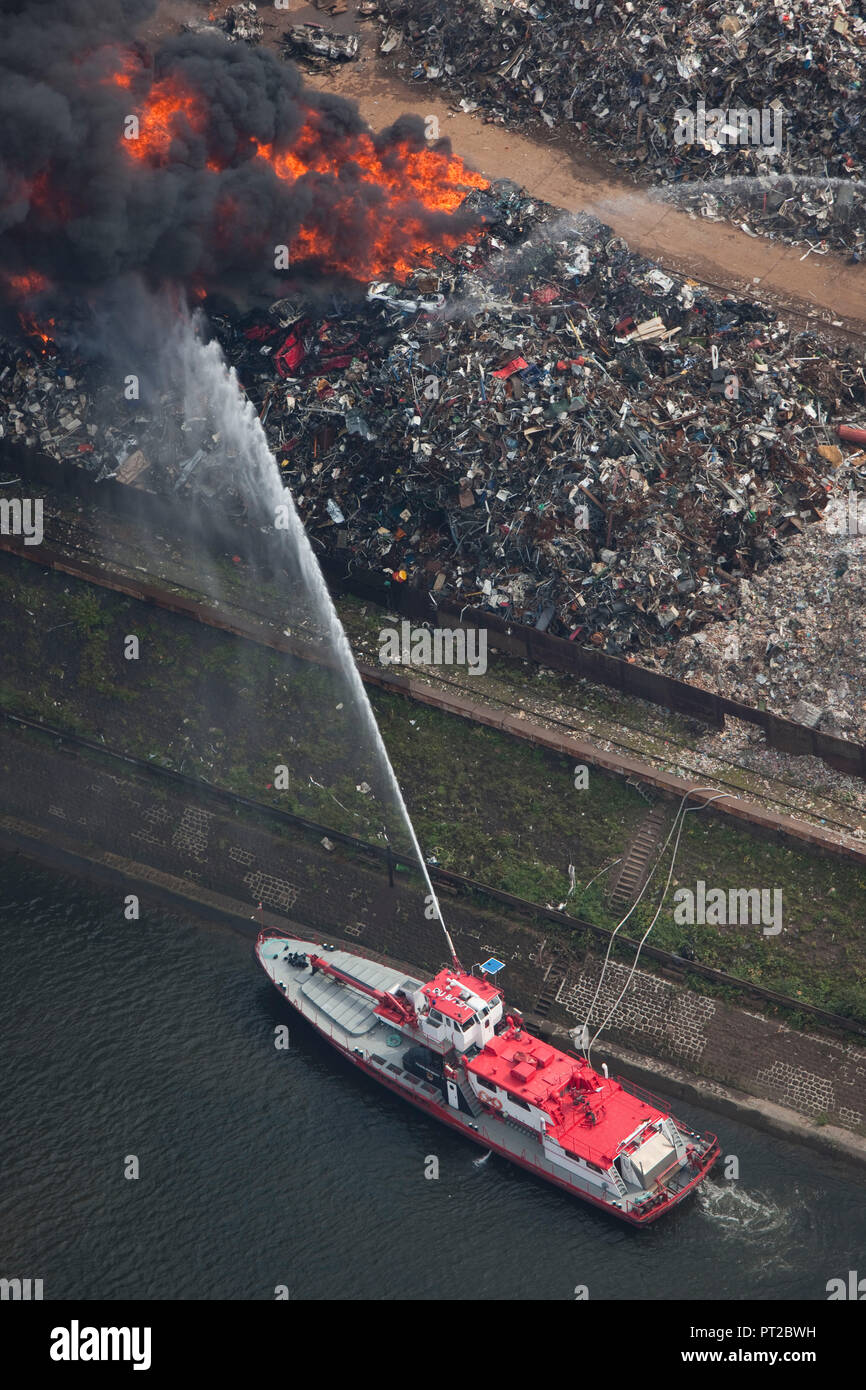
(549,991)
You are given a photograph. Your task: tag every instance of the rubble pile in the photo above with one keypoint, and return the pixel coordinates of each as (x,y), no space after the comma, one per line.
(539,423)
(797,646)
(316,47)
(53,402)
(240,23)
(617,72)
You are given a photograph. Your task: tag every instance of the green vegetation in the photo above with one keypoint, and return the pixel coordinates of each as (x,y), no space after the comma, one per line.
(483,803)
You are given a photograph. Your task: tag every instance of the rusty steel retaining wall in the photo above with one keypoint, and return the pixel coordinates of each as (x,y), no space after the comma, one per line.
(515,638)
(520,640)
(250,629)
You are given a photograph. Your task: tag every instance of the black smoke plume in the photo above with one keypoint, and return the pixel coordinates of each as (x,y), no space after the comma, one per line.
(77,213)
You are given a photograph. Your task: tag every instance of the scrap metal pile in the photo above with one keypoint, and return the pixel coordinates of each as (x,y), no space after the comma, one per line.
(240,23)
(317,47)
(797,645)
(307,43)
(617,71)
(540,423)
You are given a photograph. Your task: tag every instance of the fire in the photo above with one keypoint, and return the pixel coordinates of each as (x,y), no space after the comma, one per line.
(26,284)
(387,193)
(160,119)
(35,330)
(130,67)
(394,238)
(54,205)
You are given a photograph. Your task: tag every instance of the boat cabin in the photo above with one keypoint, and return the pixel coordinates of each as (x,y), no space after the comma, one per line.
(457,1010)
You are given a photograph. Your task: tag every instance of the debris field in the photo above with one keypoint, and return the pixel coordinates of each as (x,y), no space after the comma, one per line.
(620,74)
(540,424)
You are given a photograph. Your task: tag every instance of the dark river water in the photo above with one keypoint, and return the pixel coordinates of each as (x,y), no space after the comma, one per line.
(261,1167)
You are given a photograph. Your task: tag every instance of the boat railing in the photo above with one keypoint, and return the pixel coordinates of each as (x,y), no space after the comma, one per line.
(268,933)
(649,1098)
(597,1157)
(641,1093)
(602,1190)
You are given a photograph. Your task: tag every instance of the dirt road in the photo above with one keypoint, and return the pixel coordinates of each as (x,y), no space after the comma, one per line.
(823,289)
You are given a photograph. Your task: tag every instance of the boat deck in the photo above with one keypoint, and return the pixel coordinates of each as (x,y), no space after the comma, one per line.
(345,1016)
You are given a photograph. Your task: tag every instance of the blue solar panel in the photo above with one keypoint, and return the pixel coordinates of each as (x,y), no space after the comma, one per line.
(492,966)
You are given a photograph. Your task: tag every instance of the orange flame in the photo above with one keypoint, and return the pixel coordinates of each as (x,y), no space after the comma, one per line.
(35,330)
(26,284)
(393,238)
(396,186)
(159,121)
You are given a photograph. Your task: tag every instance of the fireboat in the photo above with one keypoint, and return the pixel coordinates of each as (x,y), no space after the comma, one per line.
(448,1045)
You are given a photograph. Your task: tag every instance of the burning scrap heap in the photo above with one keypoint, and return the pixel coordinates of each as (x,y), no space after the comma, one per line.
(616,72)
(464,388)
(550,427)
(537,422)
(207,164)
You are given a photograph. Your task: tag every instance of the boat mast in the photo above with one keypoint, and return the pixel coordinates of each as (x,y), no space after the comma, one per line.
(454,961)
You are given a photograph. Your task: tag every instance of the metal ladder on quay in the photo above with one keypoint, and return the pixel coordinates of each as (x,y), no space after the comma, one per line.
(635,867)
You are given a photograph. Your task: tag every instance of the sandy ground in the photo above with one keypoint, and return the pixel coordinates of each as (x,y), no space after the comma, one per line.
(824,289)
(718,254)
